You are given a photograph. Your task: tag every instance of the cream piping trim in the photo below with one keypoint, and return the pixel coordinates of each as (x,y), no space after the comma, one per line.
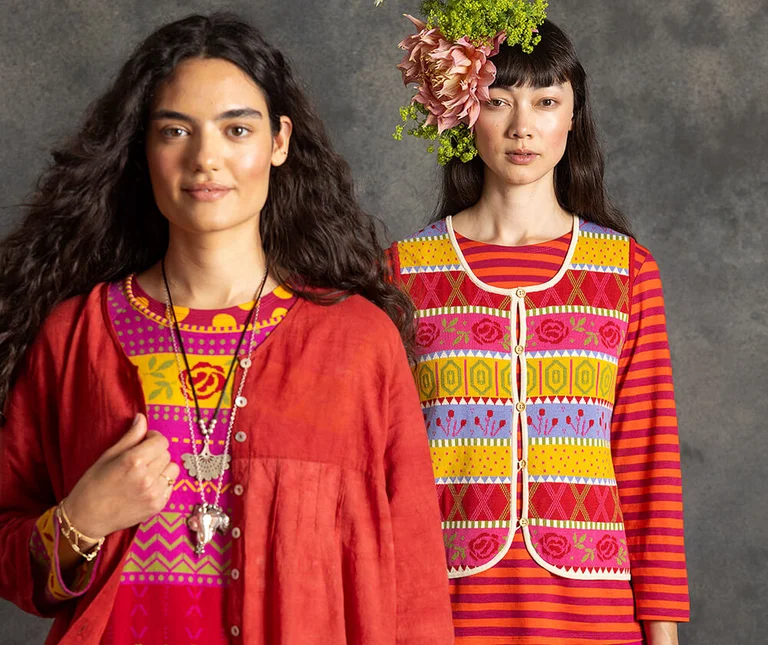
(508,292)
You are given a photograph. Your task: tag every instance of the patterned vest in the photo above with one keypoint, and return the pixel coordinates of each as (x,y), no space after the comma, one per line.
(534,365)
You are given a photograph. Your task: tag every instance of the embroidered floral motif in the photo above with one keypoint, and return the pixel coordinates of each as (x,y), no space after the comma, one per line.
(426,334)
(484,546)
(552,331)
(607,547)
(451,427)
(488,331)
(555,545)
(489,425)
(208,379)
(544,427)
(610,334)
(580,426)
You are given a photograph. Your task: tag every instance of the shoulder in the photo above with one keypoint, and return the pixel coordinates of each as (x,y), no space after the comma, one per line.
(82,312)
(352,315)
(352,331)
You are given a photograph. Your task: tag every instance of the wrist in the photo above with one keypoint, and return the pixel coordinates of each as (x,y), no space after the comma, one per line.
(84,545)
(660,632)
(81,521)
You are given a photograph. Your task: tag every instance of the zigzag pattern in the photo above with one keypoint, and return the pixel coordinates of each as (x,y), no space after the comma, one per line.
(181,564)
(592,481)
(465,353)
(572,353)
(431,269)
(598,269)
(548,400)
(473,480)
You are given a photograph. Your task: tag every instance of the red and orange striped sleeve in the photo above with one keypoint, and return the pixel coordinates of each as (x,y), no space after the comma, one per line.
(646,453)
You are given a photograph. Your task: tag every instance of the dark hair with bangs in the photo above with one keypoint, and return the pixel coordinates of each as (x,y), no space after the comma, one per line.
(579,184)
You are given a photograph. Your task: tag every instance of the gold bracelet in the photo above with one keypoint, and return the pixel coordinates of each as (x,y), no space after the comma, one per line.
(79,542)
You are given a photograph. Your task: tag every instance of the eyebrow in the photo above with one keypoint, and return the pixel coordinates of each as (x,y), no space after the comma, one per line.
(238,113)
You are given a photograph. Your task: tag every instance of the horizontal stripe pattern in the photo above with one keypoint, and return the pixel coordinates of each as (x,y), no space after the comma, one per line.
(514,266)
(519,602)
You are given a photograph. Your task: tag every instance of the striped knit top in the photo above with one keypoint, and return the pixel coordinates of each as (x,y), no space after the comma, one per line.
(517,601)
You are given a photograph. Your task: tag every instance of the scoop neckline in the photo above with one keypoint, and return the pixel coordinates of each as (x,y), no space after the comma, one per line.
(514,291)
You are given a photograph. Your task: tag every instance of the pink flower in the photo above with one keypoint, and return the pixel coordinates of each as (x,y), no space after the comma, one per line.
(453,78)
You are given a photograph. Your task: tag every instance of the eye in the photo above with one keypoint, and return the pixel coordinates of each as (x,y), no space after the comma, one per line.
(548,102)
(173,132)
(496,102)
(239,131)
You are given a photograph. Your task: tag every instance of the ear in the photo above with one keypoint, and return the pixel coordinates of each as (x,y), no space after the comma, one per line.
(281,141)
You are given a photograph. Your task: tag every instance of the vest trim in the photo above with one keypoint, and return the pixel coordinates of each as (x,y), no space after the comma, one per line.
(508,292)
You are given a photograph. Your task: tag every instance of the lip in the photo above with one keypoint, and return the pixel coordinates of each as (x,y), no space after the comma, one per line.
(207,192)
(522,157)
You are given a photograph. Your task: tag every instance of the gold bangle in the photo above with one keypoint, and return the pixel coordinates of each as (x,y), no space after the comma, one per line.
(80,543)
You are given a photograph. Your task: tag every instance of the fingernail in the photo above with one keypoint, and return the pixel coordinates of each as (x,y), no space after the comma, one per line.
(136,419)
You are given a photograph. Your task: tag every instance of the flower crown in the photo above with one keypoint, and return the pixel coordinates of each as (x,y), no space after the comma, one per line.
(448,60)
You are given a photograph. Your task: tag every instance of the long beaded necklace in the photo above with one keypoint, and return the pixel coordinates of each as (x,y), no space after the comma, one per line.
(207,518)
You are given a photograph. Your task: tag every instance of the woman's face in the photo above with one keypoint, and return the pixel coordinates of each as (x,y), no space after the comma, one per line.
(522,132)
(210,148)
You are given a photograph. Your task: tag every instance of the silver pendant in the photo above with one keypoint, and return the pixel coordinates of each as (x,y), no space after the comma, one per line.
(210,466)
(205,521)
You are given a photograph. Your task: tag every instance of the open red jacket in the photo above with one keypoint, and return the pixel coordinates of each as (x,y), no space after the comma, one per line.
(340,523)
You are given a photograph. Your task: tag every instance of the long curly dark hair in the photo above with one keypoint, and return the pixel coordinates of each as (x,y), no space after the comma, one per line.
(579,183)
(93,217)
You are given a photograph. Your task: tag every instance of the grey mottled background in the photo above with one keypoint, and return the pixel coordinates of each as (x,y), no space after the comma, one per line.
(680,88)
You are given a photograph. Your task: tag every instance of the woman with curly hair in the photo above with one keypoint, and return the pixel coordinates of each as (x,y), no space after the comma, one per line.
(211,430)
(542,357)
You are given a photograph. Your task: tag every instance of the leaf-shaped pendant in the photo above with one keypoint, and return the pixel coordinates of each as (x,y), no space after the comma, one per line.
(211,466)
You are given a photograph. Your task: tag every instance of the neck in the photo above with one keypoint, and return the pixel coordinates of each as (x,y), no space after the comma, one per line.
(211,271)
(515,215)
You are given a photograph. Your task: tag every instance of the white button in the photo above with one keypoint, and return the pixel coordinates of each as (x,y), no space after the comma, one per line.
(235,631)
(236,532)
(235,573)
(241,401)
(522,464)
(520,406)
(523,521)
(520,293)
(519,349)
(241,436)
(245,363)
(238,490)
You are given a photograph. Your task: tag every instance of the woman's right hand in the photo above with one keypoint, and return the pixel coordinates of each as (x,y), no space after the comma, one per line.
(127,485)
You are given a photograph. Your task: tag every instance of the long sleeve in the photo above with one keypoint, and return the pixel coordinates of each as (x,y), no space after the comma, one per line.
(646,454)
(30,576)
(423,601)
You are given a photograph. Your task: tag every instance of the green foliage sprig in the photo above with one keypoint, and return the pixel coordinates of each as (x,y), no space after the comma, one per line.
(479,21)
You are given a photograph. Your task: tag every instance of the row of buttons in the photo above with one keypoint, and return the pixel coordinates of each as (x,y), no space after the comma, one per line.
(238,489)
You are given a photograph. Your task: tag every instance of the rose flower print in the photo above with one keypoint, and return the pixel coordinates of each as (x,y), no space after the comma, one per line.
(208,379)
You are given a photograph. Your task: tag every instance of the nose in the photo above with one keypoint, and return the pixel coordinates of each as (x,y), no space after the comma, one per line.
(520,125)
(205,153)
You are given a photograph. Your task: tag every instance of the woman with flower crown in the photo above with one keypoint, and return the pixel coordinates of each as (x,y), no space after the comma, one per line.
(542,357)
(212,434)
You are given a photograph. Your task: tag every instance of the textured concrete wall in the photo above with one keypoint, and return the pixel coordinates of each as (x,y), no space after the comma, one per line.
(680,90)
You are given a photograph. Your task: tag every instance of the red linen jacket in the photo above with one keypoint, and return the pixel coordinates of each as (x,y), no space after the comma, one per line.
(341,538)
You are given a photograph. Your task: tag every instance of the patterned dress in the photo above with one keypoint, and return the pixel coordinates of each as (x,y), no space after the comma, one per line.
(167,593)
